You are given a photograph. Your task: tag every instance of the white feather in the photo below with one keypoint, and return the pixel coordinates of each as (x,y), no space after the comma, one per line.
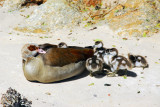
(138,64)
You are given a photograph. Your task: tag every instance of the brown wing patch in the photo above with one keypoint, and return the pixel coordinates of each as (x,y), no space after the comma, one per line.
(64,56)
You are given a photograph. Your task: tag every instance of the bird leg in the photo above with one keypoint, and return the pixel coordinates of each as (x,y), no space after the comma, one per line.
(113,74)
(125,72)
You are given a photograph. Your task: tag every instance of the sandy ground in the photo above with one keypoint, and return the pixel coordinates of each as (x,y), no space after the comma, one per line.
(76,92)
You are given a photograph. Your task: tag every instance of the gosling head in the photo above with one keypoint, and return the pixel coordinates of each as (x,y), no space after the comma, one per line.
(98,44)
(141,62)
(62,45)
(113,52)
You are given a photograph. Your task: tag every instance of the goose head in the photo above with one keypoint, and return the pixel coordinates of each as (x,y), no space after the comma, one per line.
(31,50)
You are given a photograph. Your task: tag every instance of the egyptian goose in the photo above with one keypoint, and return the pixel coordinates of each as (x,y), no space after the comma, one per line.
(138,61)
(115,61)
(54,65)
(119,63)
(109,54)
(94,65)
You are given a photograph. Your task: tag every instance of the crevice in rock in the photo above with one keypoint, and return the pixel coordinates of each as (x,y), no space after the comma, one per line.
(28,3)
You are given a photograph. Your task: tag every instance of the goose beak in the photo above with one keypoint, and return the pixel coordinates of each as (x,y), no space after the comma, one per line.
(41,51)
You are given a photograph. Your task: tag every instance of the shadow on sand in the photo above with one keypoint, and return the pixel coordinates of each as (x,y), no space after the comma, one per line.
(82,75)
(129,73)
(101,75)
(86,73)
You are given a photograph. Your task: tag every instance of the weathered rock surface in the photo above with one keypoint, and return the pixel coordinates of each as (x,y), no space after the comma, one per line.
(14,99)
(135,18)
(51,15)
(125,17)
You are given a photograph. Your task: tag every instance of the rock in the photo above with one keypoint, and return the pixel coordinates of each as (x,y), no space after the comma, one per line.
(138,18)
(125,17)
(13,99)
(52,15)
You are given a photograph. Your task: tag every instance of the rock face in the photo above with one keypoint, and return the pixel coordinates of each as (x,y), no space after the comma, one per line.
(125,17)
(51,15)
(12,4)
(135,18)
(13,99)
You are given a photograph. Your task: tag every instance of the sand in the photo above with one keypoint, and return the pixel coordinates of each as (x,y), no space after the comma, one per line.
(139,90)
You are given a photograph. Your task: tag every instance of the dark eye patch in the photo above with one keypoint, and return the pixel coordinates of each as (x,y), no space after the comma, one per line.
(60,44)
(97,42)
(107,50)
(139,60)
(32,48)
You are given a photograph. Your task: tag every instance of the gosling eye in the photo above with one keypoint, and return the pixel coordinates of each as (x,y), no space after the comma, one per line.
(138,60)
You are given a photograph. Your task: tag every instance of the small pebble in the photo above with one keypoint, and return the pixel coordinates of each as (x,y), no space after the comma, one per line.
(95,95)
(107,84)
(48,93)
(138,92)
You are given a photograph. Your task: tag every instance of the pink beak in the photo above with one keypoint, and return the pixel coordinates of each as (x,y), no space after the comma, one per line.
(41,51)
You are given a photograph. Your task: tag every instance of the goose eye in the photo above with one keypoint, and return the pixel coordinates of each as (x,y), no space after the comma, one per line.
(97,42)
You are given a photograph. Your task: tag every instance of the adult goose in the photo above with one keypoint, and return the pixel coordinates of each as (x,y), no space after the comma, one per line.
(53,65)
